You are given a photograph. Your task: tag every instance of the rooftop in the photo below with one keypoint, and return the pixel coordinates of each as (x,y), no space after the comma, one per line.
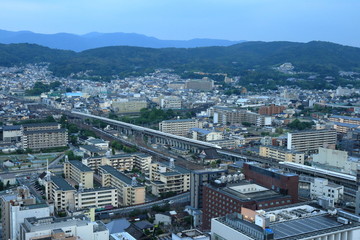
(345,117)
(180,120)
(62,183)
(119,175)
(46,131)
(79,165)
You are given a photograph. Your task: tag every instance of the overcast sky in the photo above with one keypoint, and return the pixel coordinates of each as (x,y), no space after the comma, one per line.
(265,20)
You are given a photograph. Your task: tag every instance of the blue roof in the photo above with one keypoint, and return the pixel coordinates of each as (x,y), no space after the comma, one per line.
(74,94)
(201,131)
(349,125)
(345,117)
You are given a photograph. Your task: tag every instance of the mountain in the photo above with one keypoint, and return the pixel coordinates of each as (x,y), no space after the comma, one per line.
(316,57)
(79,43)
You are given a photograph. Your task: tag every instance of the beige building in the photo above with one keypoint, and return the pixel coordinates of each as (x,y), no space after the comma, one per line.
(129,105)
(43,135)
(121,162)
(345,119)
(205,135)
(204,84)
(282,154)
(129,191)
(180,127)
(310,141)
(79,173)
(168,178)
(69,228)
(96,198)
(64,196)
(225,115)
(60,193)
(171,102)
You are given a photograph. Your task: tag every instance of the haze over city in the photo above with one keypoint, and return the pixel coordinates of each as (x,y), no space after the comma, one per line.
(251,20)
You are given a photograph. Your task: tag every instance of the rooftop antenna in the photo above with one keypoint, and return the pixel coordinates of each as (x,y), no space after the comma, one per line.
(66,158)
(172,163)
(133,182)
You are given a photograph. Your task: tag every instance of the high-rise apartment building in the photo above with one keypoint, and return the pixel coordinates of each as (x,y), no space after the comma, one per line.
(311,140)
(180,127)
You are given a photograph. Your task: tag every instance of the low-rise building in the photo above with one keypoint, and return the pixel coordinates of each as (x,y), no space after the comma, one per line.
(282,154)
(294,222)
(75,227)
(205,135)
(100,143)
(79,172)
(130,192)
(321,187)
(96,198)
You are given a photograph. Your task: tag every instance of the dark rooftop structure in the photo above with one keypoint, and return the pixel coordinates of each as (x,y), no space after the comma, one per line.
(119,175)
(62,183)
(79,165)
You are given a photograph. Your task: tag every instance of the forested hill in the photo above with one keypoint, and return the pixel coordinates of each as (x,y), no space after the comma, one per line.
(317,57)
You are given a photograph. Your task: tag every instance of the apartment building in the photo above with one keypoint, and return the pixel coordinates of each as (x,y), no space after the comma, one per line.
(60,193)
(71,228)
(79,173)
(96,198)
(271,109)
(226,115)
(168,178)
(180,127)
(17,206)
(311,140)
(282,154)
(344,119)
(121,162)
(171,102)
(43,135)
(129,105)
(10,134)
(130,192)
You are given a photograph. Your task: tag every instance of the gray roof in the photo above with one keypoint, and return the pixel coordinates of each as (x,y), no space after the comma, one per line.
(91,148)
(119,175)
(118,225)
(79,165)
(40,124)
(10,128)
(61,183)
(46,131)
(181,120)
(177,168)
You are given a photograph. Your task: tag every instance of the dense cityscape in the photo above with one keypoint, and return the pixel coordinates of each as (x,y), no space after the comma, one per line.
(163,156)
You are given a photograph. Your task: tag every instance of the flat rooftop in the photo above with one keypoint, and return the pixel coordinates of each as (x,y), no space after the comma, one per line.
(79,165)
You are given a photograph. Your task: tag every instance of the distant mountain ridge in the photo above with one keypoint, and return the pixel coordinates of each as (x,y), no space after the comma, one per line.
(236,60)
(67,41)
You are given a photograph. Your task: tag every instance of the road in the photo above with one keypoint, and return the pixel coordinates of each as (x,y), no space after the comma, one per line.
(179,198)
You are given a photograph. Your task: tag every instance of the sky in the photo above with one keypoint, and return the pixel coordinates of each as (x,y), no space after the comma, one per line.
(253,20)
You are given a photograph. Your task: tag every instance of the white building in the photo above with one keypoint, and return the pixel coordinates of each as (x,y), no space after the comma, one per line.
(171,102)
(335,160)
(321,187)
(76,227)
(295,222)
